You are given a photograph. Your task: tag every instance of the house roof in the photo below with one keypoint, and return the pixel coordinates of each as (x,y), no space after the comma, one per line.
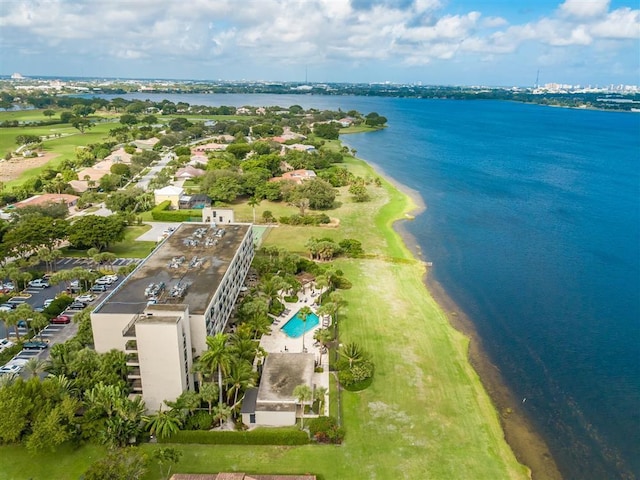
(189,171)
(169,190)
(282,373)
(47,198)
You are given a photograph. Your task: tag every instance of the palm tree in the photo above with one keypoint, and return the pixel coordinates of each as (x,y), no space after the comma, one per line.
(323,336)
(221,413)
(253,203)
(352,353)
(303,394)
(163,424)
(240,378)
(209,393)
(217,357)
(303,314)
(34,367)
(320,395)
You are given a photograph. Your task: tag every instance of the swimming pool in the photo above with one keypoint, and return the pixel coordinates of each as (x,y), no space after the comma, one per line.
(295,327)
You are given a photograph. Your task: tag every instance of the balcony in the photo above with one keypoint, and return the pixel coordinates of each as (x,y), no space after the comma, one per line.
(131,346)
(134,373)
(136,385)
(133,360)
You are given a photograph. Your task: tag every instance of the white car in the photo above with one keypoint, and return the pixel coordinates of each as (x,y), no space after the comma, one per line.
(86,298)
(5,343)
(10,368)
(48,302)
(39,283)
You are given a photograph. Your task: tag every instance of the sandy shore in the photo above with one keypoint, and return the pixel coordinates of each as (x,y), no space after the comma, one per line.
(528,445)
(12,169)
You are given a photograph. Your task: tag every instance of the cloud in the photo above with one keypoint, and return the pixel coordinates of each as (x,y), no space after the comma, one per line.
(584,8)
(272,33)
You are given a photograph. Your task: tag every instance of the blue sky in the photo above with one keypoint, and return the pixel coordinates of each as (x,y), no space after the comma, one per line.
(450,42)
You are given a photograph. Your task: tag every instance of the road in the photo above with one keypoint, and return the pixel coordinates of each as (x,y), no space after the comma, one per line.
(143,183)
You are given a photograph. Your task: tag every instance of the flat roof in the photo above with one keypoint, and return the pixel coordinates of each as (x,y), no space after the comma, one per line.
(192,257)
(282,373)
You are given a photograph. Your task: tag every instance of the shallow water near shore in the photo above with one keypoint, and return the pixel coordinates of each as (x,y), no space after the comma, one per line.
(533,226)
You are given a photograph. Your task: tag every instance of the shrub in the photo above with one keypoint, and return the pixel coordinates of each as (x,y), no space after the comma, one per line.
(161,213)
(58,306)
(276,307)
(199,421)
(326,430)
(259,436)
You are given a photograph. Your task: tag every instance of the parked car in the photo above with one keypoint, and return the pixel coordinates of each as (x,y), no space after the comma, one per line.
(105,280)
(38,283)
(86,298)
(35,345)
(7,307)
(48,302)
(5,343)
(77,306)
(99,288)
(61,319)
(10,368)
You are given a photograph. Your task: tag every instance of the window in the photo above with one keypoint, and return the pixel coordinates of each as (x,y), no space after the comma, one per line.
(252,418)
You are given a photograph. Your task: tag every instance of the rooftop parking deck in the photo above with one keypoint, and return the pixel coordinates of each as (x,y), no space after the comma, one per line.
(184,269)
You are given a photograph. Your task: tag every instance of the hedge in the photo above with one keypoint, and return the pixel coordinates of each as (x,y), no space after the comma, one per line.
(259,436)
(161,214)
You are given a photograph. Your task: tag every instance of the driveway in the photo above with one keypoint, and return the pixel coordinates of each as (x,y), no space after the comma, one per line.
(157,231)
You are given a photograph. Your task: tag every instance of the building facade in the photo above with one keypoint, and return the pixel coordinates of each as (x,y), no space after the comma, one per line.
(161,315)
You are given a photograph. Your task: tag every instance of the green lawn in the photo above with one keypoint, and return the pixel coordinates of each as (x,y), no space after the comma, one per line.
(129,247)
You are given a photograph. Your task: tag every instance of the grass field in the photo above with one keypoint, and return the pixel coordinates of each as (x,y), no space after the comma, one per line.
(426,415)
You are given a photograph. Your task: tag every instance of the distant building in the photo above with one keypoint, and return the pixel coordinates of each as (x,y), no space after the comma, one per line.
(297,176)
(162,313)
(217,215)
(189,172)
(171,193)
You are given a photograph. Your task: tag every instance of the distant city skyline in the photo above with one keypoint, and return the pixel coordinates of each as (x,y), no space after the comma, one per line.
(457,42)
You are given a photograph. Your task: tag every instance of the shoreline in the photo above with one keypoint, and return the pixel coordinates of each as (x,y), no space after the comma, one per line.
(527,444)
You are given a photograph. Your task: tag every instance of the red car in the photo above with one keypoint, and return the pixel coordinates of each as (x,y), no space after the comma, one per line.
(61,319)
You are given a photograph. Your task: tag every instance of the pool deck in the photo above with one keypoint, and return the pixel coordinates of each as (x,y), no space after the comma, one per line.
(280,342)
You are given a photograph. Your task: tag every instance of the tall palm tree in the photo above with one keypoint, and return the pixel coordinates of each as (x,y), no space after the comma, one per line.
(320,395)
(240,378)
(323,336)
(217,357)
(303,394)
(304,313)
(253,203)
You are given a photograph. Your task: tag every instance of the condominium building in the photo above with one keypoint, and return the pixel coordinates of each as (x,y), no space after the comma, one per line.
(162,313)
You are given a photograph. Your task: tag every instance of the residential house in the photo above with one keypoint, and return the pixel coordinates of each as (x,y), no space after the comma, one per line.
(171,193)
(188,172)
(297,176)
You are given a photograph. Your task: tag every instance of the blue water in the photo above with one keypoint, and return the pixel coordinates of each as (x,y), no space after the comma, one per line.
(295,327)
(533,225)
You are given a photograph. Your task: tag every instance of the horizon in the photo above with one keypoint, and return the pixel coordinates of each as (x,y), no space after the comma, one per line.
(429,42)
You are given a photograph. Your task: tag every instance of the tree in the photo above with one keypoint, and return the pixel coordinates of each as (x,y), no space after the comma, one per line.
(253,203)
(94,231)
(48,113)
(330,131)
(359,192)
(35,367)
(65,117)
(320,193)
(239,150)
(209,392)
(121,169)
(373,119)
(217,358)
(81,123)
(163,423)
(323,336)
(225,188)
(82,110)
(303,314)
(352,353)
(27,139)
(128,119)
(121,464)
(319,395)
(36,232)
(168,456)
(240,378)
(303,394)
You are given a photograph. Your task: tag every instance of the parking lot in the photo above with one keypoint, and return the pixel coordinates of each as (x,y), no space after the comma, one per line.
(58,333)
